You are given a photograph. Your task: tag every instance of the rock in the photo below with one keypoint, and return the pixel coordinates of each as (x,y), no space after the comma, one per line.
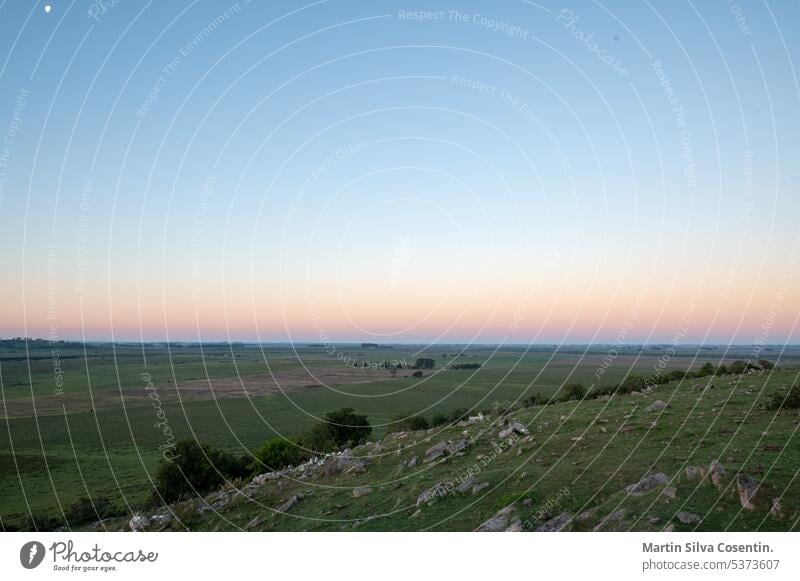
(612,518)
(361,491)
(430,494)
(435,452)
(416,513)
(138,523)
(716,471)
(255,522)
(747,488)
(466,485)
(513,427)
(456,446)
(692,472)
(499,522)
(587,514)
(555,524)
(603,429)
(656,406)
(286,506)
(527,502)
(478,487)
(647,484)
(411,463)
(515,526)
(654,520)
(777,508)
(670,492)
(688,518)
(264,478)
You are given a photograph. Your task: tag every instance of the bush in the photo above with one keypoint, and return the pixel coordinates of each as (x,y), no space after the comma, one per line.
(417,374)
(342,428)
(424,363)
(573,391)
(790,400)
(196,468)
(277,453)
(87,510)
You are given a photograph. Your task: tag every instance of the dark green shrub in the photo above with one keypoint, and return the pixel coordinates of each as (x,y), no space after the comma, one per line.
(424,363)
(277,453)
(196,468)
(573,391)
(417,374)
(789,400)
(87,510)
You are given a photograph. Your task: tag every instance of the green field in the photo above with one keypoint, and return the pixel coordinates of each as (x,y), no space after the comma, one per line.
(97,436)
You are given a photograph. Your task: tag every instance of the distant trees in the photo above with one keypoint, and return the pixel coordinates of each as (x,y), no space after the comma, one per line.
(466,366)
(424,363)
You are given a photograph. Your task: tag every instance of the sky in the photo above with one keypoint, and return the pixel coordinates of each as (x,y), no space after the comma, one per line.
(515,172)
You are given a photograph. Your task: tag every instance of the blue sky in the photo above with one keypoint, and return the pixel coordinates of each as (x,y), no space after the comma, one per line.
(213,169)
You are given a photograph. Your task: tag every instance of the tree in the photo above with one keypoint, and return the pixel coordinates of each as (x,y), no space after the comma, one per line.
(347,428)
(277,453)
(424,363)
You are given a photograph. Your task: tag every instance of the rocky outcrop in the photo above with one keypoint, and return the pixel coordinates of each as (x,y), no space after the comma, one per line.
(747,488)
(647,484)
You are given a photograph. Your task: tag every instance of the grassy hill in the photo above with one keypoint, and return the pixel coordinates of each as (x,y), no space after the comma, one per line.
(715,458)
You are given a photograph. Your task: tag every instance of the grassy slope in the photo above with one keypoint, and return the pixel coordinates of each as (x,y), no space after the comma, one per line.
(576,448)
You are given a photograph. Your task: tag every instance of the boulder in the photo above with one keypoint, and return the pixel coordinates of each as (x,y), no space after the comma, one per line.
(429,495)
(361,491)
(647,484)
(513,427)
(716,471)
(747,488)
(465,486)
(411,463)
(556,524)
(289,504)
(657,405)
(435,452)
(777,508)
(138,523)
(264,478)
(478,487)
(499,522)
(670,492)
(688,518)
(692,472)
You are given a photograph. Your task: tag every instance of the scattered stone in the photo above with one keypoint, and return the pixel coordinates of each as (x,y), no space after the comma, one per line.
(416,513)
(777,508)
(411,463)
(430,494)
(286,506)
(692,472)
(555,524)
(465,486)
(656,406)
(499,522)
(688,518)
(255,522)
(716,471)
(513,427)
(361,491)
(527,502)
(747,488)
(587,514)
(670,492)
(614,517)
(264,478)
(138,523)
(603,429)
(647,484)
(515,526)
(478,487)
(654,520)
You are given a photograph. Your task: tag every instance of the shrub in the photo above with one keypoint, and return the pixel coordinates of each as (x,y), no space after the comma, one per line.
(790,400)
(342,428)
(424,363)
(87,510)
(277,453)
(319,439)
(417,374)
(573,391)
(415,423)
(196,468)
